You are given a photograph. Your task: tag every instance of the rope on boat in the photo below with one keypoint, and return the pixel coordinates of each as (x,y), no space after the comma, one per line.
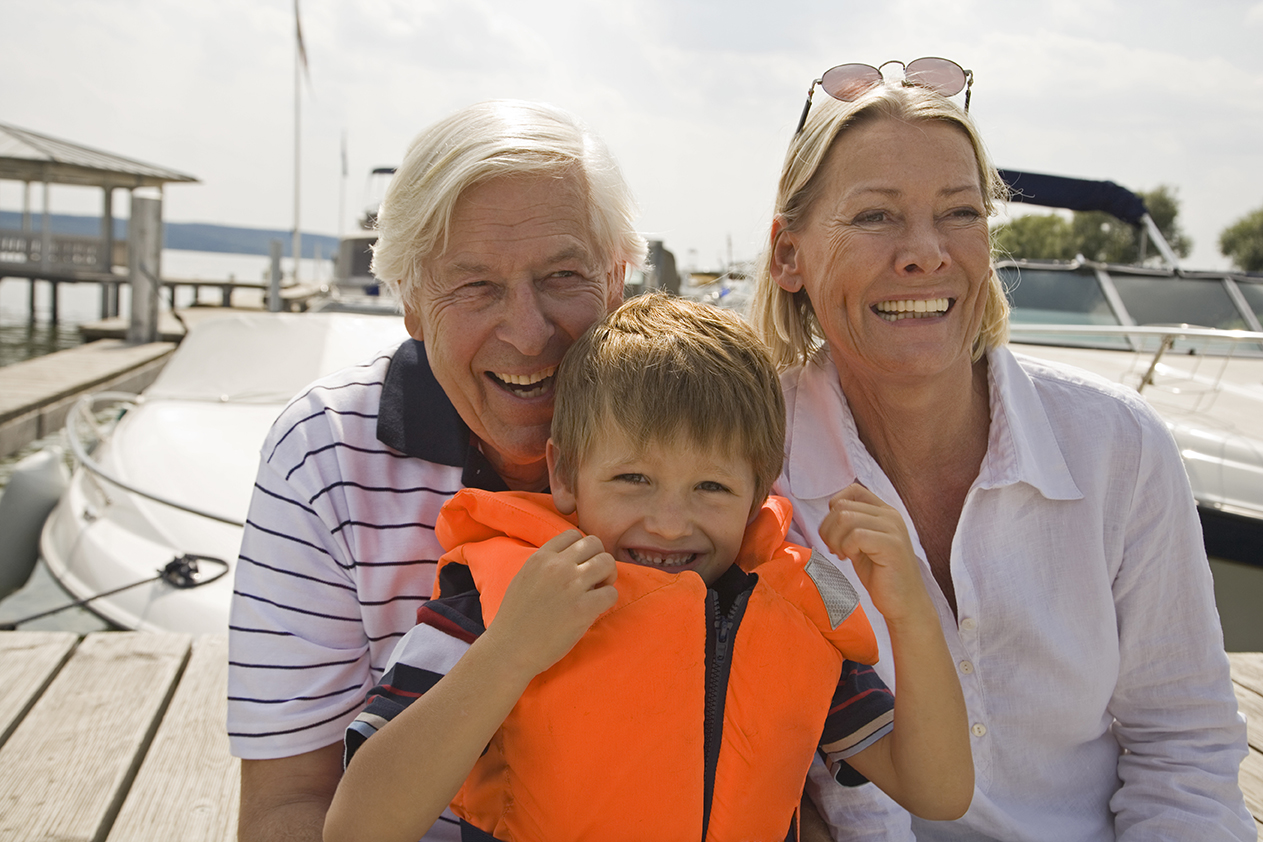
(181,572)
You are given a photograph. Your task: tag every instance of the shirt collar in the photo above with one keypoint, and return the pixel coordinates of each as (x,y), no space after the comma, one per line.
(417,418)
(1023,447)
(825,458)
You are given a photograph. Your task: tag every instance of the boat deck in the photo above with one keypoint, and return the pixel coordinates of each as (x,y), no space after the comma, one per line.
(120,736)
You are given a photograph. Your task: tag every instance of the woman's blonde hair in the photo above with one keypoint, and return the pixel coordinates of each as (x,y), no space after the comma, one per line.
(479,143)
(786,321)
(666,369)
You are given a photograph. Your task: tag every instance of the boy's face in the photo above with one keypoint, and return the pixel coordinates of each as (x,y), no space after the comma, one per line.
(675,507)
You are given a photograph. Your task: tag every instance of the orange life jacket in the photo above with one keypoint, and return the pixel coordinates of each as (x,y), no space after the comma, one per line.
(611,742)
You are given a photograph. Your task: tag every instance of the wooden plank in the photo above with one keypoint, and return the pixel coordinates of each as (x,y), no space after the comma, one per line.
(31,383)
(1247,669)
(1250,703)
(28,661)
(66,767)
(1251,779)
(1247,677)
(189,785)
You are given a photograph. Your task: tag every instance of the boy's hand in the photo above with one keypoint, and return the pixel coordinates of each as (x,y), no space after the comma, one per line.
(557,595)
(861,527)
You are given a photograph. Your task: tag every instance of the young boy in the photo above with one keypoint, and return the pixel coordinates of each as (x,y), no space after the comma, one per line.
(667,670)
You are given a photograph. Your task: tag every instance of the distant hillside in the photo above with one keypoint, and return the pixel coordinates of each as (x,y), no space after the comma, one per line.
(185,236)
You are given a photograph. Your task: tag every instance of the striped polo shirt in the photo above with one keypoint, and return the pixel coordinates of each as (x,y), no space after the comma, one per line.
(339,550)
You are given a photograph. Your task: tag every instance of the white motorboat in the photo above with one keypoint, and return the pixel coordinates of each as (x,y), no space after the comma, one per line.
(1189,341)
(163,480)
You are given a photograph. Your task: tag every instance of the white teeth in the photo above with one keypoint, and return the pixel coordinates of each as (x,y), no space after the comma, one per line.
(672,560)
(521,384)
(909,308)
(527,379)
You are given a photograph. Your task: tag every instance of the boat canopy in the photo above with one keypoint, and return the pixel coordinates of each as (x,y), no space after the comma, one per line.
(1082,194)
(269,357)
(1078,194)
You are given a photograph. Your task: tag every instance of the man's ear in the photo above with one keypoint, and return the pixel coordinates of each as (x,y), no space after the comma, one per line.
(617,282)
(785,269)
(563,494)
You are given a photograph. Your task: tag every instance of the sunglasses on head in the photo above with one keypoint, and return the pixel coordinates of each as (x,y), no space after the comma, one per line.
(848,82)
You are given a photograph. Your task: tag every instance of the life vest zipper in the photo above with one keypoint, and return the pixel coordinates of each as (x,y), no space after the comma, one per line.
(721,633)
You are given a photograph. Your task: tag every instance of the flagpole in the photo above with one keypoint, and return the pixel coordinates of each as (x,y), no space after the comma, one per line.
(342,191)
(299,59)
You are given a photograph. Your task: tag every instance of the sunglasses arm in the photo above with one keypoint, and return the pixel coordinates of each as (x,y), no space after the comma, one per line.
(802,121)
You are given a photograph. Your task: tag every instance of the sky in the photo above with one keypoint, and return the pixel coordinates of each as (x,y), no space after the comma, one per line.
(697,99)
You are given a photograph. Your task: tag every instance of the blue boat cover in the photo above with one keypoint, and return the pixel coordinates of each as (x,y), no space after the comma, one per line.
(1078,194)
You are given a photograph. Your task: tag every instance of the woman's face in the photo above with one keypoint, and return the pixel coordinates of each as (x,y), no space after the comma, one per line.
(895,255)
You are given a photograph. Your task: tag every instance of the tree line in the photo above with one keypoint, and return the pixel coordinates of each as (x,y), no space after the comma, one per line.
(1097,235)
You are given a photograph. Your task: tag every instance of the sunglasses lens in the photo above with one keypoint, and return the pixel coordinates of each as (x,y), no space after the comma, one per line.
(848,82)
(938,74)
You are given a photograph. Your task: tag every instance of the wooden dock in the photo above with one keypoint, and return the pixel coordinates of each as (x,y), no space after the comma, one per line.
(37,395)
(115,736)
(120,736)
(1247,680)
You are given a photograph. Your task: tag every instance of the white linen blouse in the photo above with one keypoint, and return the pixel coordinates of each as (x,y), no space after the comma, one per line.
(1088,645)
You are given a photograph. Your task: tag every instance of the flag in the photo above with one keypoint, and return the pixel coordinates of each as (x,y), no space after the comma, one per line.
(302,49)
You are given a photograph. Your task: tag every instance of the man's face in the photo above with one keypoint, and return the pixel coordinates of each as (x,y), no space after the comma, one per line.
(518,282)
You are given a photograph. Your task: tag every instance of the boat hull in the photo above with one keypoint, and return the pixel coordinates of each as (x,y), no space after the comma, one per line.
(193,441)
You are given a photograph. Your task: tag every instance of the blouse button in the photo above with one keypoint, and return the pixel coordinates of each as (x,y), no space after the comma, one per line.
(979,729)
(968,624)
(966,667)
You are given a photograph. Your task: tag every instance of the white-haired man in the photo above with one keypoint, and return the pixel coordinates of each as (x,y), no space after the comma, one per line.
(506,232)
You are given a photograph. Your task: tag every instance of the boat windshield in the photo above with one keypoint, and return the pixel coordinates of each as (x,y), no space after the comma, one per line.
(1075,294)
(1055,297)
(1253,295)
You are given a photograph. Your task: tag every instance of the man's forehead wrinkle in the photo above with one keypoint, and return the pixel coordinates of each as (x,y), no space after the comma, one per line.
(470,264)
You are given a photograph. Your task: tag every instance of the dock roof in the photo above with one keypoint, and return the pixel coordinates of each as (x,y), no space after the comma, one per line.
(30,156)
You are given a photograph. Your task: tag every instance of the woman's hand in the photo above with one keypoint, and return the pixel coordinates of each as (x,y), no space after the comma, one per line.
(553,600)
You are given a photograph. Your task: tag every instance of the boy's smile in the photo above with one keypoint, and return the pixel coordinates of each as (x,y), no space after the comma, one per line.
(676,506)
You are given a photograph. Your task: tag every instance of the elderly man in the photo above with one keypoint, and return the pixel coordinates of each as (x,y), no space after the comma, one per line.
(506,232)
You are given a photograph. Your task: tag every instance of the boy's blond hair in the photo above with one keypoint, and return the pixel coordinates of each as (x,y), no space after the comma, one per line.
(666,369)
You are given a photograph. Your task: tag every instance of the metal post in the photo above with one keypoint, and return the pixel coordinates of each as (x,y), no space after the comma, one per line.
(46,233)
(274,283)
(144,234)
(106,262)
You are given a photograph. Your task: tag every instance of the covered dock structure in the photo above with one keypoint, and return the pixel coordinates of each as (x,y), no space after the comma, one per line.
(33,251)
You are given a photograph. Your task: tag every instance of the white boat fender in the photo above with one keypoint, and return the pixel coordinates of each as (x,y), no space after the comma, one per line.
(33,490)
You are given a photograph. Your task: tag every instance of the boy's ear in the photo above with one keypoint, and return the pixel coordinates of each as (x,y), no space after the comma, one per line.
(785,268)
(563,495)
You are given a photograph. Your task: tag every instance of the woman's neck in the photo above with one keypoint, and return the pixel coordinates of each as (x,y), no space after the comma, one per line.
(929,439)
(926,424)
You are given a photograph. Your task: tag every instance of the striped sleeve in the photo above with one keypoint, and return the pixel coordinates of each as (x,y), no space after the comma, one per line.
(445,630)
(861,713)
(337,555)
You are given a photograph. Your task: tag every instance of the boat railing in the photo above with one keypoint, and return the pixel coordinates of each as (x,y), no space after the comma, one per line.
(85,413)
(1149,355)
